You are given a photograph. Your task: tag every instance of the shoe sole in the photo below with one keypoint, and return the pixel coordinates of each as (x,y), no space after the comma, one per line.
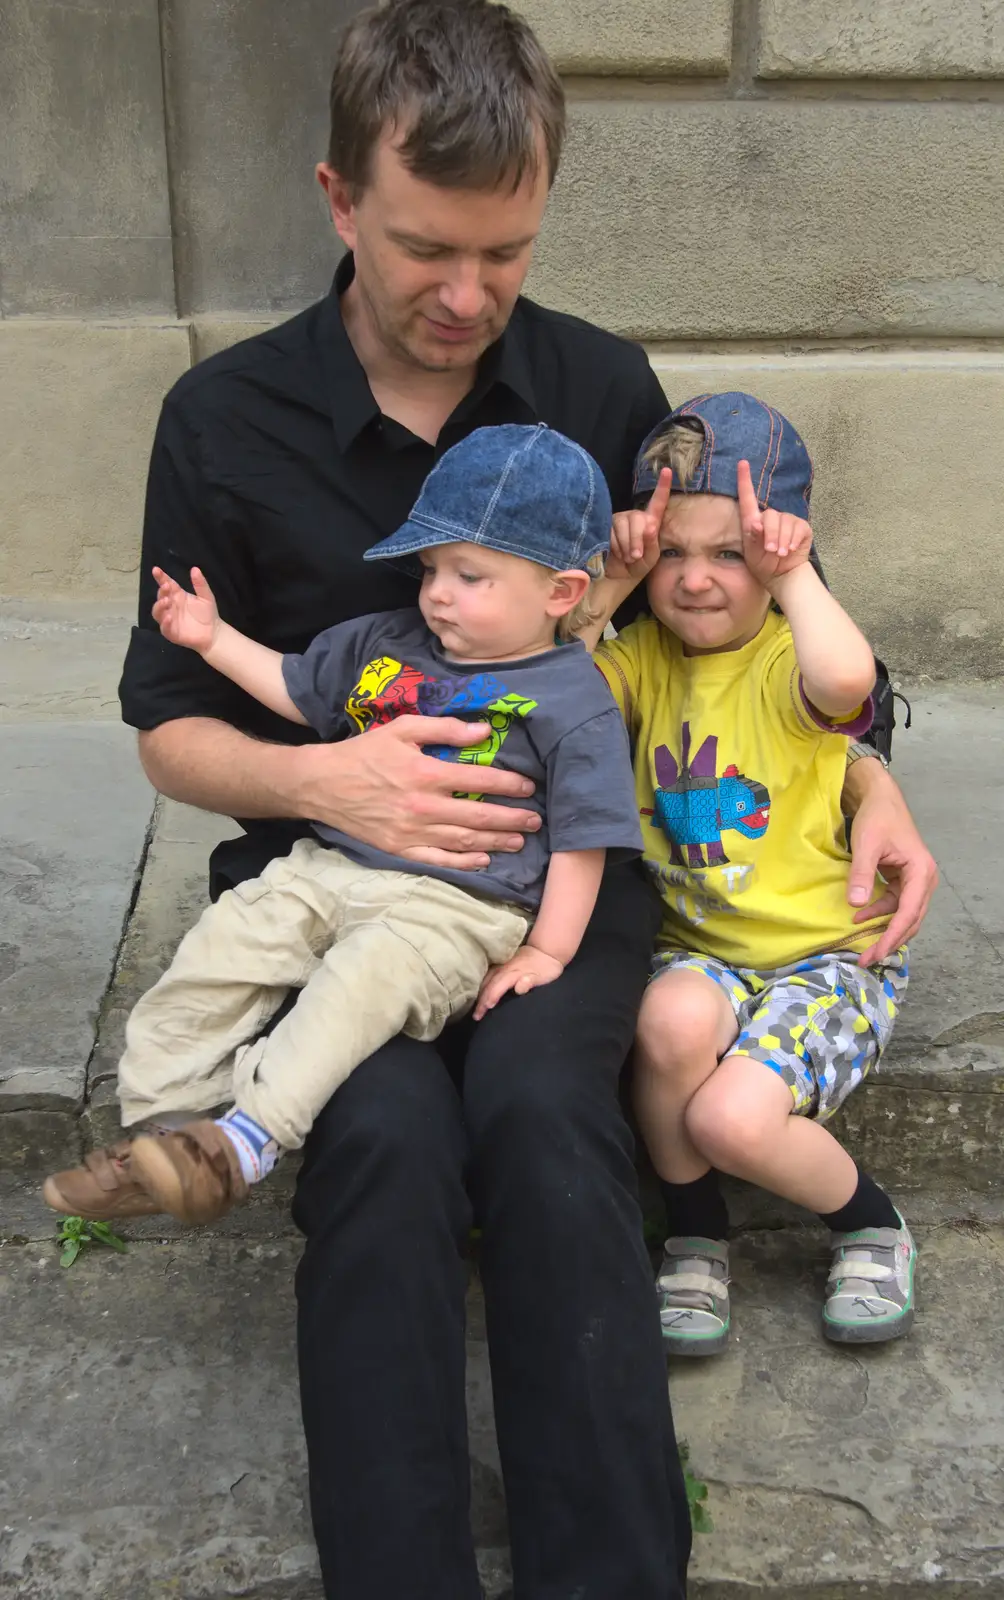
(876,1332)
(713,1345)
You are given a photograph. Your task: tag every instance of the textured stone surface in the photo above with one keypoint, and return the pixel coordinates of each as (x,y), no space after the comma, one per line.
(248,90)
(61,659)
(134,1463)
(859,39)
(895,517)
(74,811)
(78,406)
(647,38)
(84,218)
(210,334)
(720,219)
(173,893)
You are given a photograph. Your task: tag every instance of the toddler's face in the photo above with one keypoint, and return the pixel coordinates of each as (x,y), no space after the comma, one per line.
(485,605)
(701,588)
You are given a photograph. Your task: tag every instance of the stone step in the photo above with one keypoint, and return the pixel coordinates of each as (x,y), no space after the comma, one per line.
(135,1465)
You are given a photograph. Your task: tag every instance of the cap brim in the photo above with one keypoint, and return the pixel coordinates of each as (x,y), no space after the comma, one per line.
(410,538)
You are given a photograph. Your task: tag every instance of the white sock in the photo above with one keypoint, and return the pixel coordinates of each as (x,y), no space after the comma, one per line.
(257,1151)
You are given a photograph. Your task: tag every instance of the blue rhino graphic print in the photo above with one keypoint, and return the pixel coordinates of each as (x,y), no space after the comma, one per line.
(694,807)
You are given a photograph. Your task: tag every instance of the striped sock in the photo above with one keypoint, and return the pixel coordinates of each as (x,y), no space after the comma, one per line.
(257,1151)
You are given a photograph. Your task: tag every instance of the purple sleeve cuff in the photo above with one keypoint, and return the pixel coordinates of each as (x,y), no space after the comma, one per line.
(853,727)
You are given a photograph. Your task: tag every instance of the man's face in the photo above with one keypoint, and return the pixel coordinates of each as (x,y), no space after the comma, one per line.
(437,270)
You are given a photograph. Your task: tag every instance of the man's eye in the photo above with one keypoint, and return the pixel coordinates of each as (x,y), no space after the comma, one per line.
(503,257)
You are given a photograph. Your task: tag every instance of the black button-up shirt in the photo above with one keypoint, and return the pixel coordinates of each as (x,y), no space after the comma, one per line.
(273,470)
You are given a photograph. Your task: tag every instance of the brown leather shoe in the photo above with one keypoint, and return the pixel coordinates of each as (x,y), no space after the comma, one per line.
(193,1174)
(104,1189)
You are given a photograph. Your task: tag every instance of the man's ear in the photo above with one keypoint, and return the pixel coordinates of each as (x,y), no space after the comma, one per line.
(341,202)
(567,589)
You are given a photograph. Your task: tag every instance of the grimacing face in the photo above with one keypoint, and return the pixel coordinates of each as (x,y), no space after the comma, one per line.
(437,270)
(701,588)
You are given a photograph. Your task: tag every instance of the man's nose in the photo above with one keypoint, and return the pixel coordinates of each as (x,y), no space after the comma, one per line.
(463,293)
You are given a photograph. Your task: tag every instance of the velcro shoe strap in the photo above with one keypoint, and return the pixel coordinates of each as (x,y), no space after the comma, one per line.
(694,1282)
(870,1271)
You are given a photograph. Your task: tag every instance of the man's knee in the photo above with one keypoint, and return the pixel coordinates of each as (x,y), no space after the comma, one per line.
(393,1128)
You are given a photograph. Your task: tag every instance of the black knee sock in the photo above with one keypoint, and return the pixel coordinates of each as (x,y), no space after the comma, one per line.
(696,1208)
(868,1207)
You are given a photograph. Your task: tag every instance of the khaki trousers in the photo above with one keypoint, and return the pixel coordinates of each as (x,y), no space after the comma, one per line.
(375,954)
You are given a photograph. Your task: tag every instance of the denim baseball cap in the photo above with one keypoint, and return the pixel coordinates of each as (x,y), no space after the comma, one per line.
(526,490)
(738,427)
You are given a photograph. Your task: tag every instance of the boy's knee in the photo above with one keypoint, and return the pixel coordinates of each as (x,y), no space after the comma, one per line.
(730,1131)
(680,1020)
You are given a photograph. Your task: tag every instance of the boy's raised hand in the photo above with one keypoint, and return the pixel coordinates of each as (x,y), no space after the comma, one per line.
(634,537)
(774,542)
(191,620)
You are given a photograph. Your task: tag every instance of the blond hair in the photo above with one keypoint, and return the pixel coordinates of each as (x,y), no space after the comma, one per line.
(583,615)
(679,448)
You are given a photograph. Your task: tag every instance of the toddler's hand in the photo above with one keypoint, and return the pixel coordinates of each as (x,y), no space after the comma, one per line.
(528,969)
(774,542)
(634,537)
(191,620)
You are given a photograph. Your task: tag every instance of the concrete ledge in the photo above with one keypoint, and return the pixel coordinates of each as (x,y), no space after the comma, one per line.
(888,507)
(731,219)
(73,819)
(858,39)
(641,38)
(831,1471)
(78,406)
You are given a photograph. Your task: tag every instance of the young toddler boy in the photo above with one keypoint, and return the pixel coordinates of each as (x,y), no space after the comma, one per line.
(766,1006)
(510,526)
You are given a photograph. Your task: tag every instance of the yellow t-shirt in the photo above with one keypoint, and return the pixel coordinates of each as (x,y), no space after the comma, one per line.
(738,782)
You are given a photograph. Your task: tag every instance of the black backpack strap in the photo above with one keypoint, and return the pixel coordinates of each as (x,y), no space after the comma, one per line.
(884,697)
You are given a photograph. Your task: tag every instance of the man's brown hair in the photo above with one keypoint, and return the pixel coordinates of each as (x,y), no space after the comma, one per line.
(465,81)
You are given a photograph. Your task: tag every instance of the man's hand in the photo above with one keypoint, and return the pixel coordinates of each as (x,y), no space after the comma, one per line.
(774,542)
(884,838)
(191,620)
(528,969)
(634,537)
(380,788)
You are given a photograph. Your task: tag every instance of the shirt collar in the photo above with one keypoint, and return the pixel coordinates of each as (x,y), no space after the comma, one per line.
(353,407)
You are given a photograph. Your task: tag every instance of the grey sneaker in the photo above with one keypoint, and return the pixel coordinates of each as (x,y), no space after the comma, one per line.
(869,1293)
(693,1289)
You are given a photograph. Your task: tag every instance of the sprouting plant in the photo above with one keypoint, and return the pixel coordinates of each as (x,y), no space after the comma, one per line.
(697,1494)
(75,1233)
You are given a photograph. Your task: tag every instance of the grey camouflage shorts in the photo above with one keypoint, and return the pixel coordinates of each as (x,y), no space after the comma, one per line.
(821,1024)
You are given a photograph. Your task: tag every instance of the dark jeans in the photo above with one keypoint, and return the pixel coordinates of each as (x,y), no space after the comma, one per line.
(526,1135)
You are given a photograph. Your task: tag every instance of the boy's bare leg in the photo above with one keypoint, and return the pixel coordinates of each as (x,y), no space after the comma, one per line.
(685,1025)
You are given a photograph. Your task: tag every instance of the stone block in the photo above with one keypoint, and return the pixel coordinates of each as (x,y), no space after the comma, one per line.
(642,38)
(78,407)
(889,508)
(85,223)
(210,334)
(74,812)
(690,219)
(858,39)
(248,90)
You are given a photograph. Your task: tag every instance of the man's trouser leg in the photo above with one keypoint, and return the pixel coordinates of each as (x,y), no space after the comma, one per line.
(596,1498)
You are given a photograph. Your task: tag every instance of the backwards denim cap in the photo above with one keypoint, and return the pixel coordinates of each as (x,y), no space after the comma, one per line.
(738,427)
(527,491)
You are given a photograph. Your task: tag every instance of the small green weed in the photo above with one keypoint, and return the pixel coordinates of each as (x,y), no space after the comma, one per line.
(697,1493)
(75,1233)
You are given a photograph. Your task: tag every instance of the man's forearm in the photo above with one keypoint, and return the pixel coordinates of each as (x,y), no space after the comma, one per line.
(865,778)
(206,763)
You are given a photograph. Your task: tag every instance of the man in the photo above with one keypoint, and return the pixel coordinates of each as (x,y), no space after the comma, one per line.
(276,466)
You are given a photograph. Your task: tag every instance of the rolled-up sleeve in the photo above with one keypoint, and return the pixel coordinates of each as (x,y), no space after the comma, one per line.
(184,526)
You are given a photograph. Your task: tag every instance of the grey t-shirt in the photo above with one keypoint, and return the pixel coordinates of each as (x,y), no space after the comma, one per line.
(553,719)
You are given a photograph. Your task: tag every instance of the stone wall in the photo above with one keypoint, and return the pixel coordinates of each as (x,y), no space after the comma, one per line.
(800,198)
